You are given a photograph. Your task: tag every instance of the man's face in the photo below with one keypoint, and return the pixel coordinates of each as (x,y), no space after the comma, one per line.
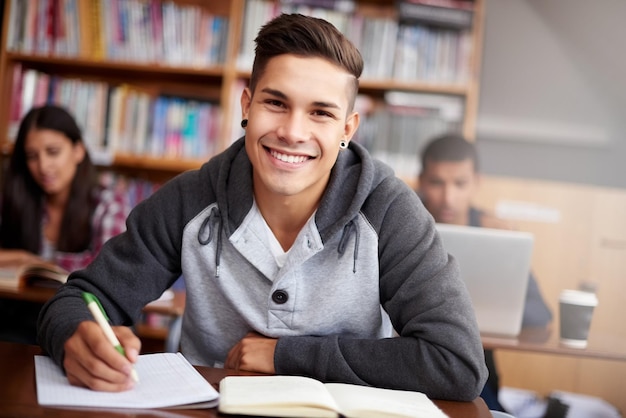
(297,117)
(447,189)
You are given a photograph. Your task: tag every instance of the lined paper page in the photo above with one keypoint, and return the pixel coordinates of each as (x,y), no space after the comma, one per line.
(165,380)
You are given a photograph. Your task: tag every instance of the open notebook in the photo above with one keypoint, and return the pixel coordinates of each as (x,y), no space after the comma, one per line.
(165,380)
(495,266)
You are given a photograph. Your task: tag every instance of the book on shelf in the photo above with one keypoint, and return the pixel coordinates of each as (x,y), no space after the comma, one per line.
(396,129)
(346,6)
(432,54)
(379,37)
(121,119)
(298,396)
(155,31)
(39,274)
(454,14)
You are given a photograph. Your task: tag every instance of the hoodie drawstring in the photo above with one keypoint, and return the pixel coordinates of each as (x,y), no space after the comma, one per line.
(347,231)
(204,238)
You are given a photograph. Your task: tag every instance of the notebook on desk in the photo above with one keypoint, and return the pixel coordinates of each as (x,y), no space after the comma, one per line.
(495,266)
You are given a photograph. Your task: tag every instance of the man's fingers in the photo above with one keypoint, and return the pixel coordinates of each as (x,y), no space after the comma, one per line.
(232,360)
(96,375)
(253,352)
(130,342)
(90,359)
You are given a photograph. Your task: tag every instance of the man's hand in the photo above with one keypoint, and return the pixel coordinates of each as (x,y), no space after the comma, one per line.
(91,361)
(254,353)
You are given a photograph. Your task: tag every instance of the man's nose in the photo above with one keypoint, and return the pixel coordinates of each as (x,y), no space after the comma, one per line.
(294,127)
(449,194)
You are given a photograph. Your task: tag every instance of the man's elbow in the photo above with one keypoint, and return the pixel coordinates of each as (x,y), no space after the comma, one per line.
(462,383)
(470,387)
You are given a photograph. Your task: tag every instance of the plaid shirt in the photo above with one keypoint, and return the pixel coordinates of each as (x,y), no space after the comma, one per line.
(109,219)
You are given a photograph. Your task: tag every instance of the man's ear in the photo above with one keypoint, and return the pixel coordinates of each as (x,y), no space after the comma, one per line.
(246,99)
(352,124)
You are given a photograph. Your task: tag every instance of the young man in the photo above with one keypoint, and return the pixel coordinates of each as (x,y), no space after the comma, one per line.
(448,182)
(300,253)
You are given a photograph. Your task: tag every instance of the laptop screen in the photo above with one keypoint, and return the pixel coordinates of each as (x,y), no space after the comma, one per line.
(495,266)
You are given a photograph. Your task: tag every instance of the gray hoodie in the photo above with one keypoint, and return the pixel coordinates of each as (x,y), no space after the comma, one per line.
(369,261)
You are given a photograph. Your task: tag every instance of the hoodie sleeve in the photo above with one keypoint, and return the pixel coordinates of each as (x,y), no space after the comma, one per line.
(438,350)
(132,269)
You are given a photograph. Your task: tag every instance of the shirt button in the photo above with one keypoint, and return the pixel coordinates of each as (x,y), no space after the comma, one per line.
(280,297)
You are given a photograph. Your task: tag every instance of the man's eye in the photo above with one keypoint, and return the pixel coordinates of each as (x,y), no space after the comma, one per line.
(323,113)
(273,102)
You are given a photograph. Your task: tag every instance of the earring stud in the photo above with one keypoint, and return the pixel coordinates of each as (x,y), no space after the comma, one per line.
(343,144)
(244,123)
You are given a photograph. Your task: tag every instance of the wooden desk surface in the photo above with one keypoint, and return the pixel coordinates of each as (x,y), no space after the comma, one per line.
(174,306)
(27,294)
(546,340)
(156,338)
(18,397)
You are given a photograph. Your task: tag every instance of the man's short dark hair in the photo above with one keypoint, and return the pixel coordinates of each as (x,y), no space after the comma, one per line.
(449,148)
(305,36)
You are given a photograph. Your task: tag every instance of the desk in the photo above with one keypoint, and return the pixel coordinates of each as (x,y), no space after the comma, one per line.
(18,397)
(546,341)
(173,307)
(30,294)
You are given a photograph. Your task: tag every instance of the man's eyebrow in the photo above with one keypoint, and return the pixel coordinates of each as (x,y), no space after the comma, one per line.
(326,105)
(279,94)
(274,92)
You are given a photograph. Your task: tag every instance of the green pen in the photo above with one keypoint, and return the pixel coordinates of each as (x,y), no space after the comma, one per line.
(101,318)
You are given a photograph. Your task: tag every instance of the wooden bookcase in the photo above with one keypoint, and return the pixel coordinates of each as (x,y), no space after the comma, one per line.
(219,83)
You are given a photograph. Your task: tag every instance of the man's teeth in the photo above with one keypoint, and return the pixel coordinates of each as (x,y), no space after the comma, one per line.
(289,158)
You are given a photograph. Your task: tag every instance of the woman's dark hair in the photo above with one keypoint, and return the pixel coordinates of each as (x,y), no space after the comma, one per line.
(305,36)
(23,199)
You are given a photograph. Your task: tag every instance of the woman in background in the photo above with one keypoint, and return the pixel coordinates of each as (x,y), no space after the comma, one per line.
(53,207)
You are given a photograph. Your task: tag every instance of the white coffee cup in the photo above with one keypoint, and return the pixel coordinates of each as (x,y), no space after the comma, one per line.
(576,310)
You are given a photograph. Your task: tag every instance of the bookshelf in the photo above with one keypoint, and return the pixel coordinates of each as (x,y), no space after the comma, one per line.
(191,74)
(80,54)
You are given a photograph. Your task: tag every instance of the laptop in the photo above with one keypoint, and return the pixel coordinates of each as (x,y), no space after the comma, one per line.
(495,266)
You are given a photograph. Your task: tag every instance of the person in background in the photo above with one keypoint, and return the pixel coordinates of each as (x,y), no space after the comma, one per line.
(301,254)
(53,207)
(448,182)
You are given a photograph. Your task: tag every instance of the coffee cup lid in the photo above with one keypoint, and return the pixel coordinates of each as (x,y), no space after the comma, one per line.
(578,297)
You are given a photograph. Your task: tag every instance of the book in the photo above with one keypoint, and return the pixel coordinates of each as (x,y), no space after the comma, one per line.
(298,396)
(459,17)
(46,275)
(347,6)
(166,380)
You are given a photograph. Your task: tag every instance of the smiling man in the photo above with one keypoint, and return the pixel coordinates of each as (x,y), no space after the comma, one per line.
(301,254)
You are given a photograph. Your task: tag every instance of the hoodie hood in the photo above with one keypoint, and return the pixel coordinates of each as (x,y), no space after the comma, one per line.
(352,179)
